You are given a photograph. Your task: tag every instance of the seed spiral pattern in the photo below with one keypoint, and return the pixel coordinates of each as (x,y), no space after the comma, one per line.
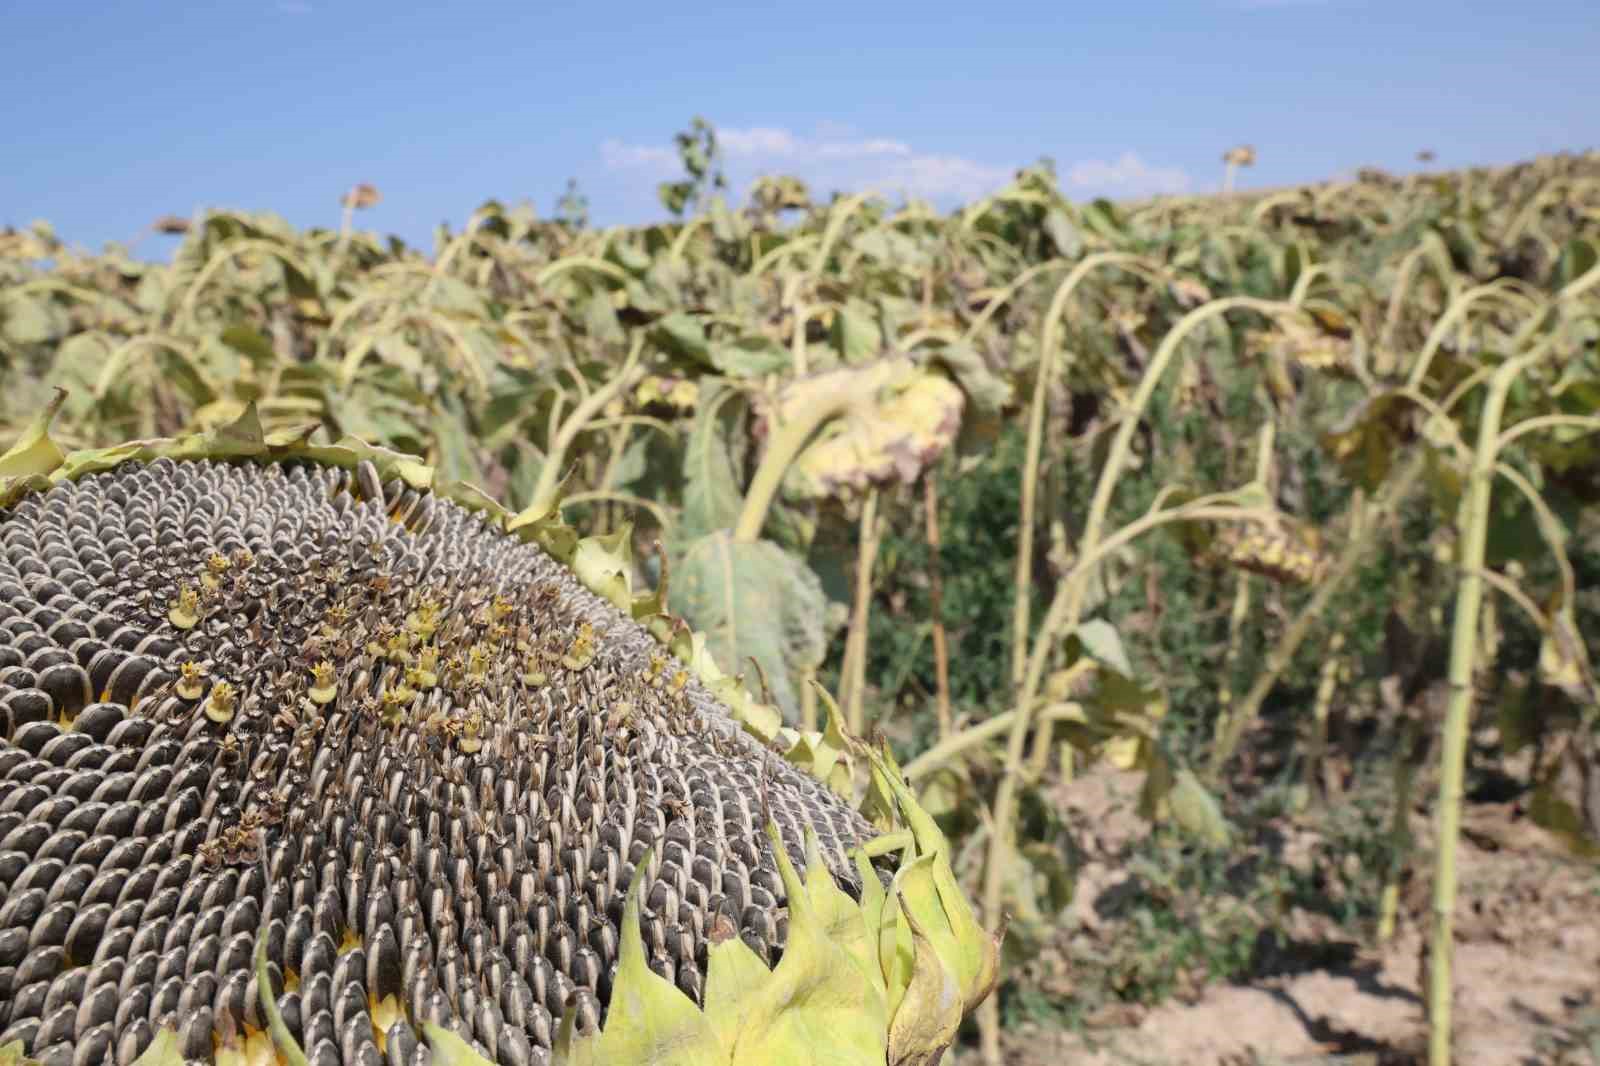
(415,750)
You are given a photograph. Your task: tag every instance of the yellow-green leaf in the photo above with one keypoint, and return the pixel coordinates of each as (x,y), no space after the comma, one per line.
(12,1055)
(163,1051)
(449,1049)
(605,565)
(649,1022)
(1197,811)
(926,1020)
(34,453)
(818,1006)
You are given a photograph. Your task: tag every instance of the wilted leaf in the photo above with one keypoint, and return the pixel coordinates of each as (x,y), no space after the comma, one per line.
(753,600)
(1563,659)
(987,392)
(1366,441)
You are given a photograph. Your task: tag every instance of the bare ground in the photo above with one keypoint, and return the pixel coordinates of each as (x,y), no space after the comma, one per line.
(1527,965)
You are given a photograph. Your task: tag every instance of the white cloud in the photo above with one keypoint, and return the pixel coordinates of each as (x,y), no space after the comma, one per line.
(757,142)
(835,157)
(620,156)
(862,149)
(838,157)
(1128,175)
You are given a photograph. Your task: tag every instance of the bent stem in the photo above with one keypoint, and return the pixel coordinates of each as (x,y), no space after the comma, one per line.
(1030,466)
(1393,494)
(1472,530)
(1061,619)
(1066,608)
(578,421)
(792,436)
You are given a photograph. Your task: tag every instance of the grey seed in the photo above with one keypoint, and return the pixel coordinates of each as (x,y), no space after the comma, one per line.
(324,1052)
(28,999)
(164,1000)
(59,750)
(356,1046)
(133,1040)
(293,1019)
(485,888)
(319,1027)
(93,1046)
(58,1054)
(13,946)
(140,973)
(60,1024)
(194,1031)
(88,928)
(233,992)
(98,1009)
(40,876)
(400,1044)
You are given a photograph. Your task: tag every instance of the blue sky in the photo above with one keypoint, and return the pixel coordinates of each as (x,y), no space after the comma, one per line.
(123,110)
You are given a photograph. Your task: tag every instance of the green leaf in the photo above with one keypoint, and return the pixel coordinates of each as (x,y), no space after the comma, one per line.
(1063,233)
(749,357)
(32,319)
(600,318)
(683,335)
(455,457)
(1101,216)
(855,334)
(634,462)
(1577,258)
(250,343)
(1104,645)
(753,600)
(712,496)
